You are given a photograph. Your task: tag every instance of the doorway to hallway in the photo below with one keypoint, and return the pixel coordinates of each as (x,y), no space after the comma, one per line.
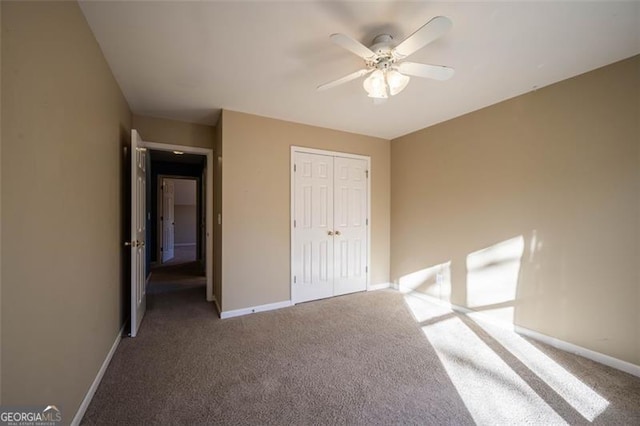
(178,265)
(176,222)
(147,161)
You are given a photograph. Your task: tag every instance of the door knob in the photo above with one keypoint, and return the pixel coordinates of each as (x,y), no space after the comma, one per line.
(337,232)
(330,233)
(134,243)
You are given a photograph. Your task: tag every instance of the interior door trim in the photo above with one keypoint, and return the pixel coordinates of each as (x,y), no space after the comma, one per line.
(208,202)
(295,149)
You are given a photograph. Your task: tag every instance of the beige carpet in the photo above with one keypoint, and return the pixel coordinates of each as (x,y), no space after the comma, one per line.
(368,358)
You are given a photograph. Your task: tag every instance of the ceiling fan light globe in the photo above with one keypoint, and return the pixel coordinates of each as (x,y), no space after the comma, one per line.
(396,81)
(376,85)
(378,95)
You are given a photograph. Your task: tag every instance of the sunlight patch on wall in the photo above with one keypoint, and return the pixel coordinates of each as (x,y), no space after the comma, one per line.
(434,281)
(492,278)
(492,392)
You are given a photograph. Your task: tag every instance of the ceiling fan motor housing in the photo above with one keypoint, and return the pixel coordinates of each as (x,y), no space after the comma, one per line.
(382,46)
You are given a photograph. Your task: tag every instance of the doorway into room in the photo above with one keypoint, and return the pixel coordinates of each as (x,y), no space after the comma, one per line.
(151,162)
(176,222)
(178,264)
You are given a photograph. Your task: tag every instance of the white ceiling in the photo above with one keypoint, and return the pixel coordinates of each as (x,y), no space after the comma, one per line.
(187,60)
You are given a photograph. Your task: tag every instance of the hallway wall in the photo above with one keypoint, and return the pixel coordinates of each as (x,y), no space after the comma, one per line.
(185,211)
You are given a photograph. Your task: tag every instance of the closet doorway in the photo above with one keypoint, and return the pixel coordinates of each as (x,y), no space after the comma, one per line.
(330,236)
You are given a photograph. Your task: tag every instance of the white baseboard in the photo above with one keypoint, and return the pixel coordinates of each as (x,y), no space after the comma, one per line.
(96,382)
(277,305)
(254,309)
(607,360)
(601,358)
(215,301)
(184,244)
(380,286)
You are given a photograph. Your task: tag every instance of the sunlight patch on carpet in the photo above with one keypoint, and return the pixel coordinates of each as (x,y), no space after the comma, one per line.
(491,390)
(580,396)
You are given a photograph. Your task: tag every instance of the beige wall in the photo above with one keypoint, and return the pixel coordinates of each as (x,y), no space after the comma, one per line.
(173,132)
(0,205)
(184,191)
(255,204)
(65,123)
(185,220)
(558,167)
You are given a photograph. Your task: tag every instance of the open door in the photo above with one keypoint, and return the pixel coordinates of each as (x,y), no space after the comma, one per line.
(168,219)
(138,232)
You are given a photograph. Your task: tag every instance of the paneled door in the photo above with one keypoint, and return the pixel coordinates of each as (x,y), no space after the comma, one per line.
(349,225)
(138,232)
(313,227)
(329,230)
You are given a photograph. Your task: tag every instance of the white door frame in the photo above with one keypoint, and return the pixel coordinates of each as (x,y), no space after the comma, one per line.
(295,149)
(208,202)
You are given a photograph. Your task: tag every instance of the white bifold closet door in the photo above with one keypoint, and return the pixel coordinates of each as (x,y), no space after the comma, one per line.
(330,248)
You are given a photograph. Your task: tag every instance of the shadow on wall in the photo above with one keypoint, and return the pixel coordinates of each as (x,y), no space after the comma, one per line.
(489,284)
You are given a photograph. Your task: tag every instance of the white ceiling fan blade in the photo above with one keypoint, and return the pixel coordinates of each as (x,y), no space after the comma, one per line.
(423,36)
(344,79)
(436,72)
(353,46)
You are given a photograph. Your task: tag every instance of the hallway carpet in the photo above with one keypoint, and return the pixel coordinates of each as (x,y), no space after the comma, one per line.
(176,277)
(182,254)
(361,359)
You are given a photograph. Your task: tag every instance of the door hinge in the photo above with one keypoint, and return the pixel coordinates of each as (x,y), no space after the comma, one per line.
(366,269)
(295,168)
(294,279)
(161,217)
(161,248)
(366,222)
(366,172)
(294,223)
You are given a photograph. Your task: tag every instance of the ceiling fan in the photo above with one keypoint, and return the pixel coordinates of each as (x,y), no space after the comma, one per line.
(389,72)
